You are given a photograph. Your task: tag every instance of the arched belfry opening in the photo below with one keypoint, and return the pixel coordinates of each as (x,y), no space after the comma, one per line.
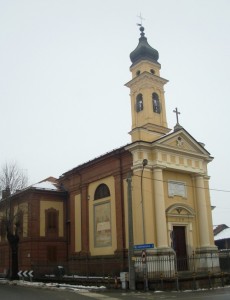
(139,103)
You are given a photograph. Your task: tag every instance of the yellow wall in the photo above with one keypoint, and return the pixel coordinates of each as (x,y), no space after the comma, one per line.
(108,250)
(186,217)
(45,205)
(126,213)
(148,205)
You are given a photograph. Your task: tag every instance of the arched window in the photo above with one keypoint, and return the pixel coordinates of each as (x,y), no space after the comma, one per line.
(139,103)
(102,191)
(156,103)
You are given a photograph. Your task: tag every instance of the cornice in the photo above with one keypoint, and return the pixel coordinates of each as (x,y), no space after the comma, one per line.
(146,78)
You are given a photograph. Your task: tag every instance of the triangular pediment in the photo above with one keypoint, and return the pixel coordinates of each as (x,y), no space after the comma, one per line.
(182,141)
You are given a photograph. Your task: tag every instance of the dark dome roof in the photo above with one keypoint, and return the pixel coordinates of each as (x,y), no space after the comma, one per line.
(143,50)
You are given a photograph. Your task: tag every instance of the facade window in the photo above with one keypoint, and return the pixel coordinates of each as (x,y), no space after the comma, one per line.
(52,221)
(156,103)
(102,217)
(139,103)
(102,191)
(102,225)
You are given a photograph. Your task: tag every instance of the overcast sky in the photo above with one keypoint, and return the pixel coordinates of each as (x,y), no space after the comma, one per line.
(63,66)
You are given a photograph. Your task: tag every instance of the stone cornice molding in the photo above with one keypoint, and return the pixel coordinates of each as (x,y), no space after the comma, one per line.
(146,78)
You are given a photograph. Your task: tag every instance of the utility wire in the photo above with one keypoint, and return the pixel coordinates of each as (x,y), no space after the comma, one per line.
(192,186)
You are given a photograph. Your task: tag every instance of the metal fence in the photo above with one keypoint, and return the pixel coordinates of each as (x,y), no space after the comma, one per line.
(84,267)
(169,266)
(158,267)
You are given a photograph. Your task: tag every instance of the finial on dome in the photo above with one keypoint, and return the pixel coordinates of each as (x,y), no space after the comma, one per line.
(142,31)
(140,25)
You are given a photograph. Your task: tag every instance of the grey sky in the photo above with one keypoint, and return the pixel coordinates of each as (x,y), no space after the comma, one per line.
(63,66)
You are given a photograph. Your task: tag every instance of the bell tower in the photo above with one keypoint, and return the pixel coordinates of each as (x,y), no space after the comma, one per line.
(147,93)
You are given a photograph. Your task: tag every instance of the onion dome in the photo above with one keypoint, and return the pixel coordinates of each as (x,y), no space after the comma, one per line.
(144,50)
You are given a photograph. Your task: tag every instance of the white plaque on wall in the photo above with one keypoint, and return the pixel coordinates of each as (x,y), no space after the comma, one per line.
(177,188)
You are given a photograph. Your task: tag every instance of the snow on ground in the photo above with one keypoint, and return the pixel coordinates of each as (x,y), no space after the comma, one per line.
(62,286)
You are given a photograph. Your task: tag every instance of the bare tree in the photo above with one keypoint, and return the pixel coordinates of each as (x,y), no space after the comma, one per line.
(12,179)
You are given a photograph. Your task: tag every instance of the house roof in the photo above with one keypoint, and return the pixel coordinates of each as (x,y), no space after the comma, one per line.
(92,161)
(49,183)
(223,235)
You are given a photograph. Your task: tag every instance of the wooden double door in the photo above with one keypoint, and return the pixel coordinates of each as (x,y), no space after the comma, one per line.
(179,246)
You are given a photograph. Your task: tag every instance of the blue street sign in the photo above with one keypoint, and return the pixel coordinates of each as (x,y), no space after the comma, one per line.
(143,246)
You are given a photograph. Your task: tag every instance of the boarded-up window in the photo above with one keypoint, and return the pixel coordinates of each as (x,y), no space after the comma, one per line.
(51,221)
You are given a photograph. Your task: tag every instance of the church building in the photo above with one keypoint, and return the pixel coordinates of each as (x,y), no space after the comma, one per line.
(170,182)
(171,209)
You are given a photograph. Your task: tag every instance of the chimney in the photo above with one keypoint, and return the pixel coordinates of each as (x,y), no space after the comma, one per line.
(6,193)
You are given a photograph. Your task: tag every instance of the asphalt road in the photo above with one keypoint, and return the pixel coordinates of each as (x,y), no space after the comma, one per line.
(14,292)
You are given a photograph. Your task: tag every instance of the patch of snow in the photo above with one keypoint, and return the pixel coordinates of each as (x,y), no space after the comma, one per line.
(46,185)
(224,234)
(61,286)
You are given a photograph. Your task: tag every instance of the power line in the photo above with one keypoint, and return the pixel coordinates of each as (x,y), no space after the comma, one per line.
(192,186)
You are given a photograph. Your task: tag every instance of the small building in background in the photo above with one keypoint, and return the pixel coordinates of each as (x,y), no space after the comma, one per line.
(222,236)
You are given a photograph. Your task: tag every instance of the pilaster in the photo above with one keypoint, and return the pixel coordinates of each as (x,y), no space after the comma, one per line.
(161,228)
(202,212)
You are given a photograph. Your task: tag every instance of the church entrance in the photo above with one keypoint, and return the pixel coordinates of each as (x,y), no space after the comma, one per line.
(179,245)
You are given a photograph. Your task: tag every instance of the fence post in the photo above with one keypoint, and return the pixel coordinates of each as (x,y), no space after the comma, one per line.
(162,283)
(177,281)
(209,279)
(222,278)
(194,281)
